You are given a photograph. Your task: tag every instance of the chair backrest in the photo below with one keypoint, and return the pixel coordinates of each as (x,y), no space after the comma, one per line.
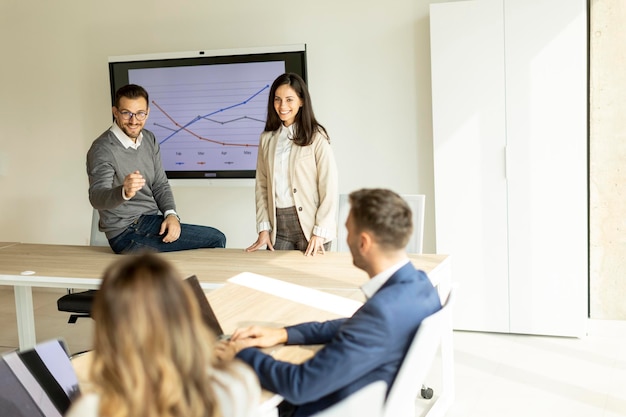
(97,238)
(415,201)
(366,402)
(418,360)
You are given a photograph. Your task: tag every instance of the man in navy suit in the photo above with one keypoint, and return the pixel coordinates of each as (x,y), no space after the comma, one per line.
(366,347)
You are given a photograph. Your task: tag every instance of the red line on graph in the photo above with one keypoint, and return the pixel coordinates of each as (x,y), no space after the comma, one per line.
(200,137)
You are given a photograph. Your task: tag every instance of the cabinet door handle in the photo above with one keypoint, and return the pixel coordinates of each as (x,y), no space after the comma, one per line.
(506,163)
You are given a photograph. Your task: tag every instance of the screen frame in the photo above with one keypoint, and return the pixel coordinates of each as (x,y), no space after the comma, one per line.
(294,57)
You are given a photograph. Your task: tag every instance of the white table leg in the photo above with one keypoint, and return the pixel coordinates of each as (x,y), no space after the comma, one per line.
(25,316)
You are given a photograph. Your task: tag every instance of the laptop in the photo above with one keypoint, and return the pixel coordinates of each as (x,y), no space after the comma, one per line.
(208,315)
(37,382)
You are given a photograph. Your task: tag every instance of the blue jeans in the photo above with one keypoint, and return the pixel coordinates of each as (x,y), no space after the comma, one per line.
(143,235)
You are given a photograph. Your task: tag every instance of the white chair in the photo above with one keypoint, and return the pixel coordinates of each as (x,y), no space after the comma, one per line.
(97,237)
(417,363)
(366,402)
(415,201)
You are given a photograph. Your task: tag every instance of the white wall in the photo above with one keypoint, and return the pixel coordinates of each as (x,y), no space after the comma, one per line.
(369,77)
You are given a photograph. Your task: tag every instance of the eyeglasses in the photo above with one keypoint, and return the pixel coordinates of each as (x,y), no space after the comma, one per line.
(127,115)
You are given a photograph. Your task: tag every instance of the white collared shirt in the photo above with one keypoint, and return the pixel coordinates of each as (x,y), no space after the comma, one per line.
(282,183)
(124,139)
(375,283)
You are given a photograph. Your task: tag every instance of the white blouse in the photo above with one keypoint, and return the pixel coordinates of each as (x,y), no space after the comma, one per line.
(282,183)
(237,390)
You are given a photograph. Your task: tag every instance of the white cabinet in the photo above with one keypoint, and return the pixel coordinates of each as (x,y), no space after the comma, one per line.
(509,86)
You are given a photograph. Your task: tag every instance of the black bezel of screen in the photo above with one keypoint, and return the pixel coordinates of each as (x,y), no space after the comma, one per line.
(295,61)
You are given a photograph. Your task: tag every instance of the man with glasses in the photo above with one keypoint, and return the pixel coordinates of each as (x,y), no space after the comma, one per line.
(129,188)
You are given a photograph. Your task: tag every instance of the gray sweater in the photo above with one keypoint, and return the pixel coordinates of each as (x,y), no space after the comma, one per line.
(108,163)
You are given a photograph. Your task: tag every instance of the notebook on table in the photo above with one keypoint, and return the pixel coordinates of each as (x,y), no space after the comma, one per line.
(37,382)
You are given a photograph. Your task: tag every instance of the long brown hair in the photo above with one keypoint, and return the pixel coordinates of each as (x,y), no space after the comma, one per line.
(305,125)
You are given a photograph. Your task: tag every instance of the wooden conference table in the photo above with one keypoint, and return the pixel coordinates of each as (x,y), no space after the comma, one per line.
(248,299)
(24,266)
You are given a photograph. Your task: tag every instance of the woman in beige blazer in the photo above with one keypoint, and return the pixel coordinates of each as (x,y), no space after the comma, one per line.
(296,174)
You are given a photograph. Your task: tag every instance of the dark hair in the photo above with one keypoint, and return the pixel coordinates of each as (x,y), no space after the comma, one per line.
(131,91)
(383,213)
(305,124)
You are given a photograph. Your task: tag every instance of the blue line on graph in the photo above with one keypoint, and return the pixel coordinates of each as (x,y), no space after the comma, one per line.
(195,119)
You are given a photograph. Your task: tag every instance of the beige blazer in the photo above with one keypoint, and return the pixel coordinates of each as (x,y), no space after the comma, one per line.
(313,178)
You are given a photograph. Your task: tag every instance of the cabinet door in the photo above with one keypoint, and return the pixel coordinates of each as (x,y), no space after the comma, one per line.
(510,154)
(467,59)
(546,118)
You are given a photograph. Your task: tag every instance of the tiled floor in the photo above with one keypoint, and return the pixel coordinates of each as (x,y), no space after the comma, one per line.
(496,375)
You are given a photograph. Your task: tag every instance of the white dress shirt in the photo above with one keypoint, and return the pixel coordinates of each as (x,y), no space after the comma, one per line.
(375,283)
(282,183)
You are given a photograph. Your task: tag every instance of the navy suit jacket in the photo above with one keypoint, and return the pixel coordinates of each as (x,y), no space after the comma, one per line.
(359,350)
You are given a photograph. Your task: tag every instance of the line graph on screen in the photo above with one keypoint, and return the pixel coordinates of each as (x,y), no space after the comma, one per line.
(208,117)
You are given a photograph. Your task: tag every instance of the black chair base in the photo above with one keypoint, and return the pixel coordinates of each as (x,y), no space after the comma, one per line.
(74,317)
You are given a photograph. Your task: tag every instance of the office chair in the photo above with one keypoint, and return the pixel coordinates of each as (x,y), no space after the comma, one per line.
(76,303)
(418,360)
(79,303)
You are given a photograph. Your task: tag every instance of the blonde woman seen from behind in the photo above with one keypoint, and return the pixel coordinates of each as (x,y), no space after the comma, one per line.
(153,355)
